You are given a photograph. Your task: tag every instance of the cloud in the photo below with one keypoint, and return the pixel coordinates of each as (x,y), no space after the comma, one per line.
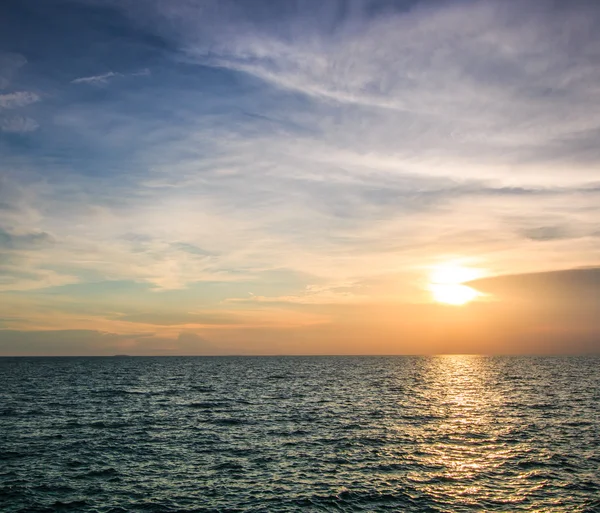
(105,78)
(9,65)
(542,233)
(18,99)
(68,342)
(101,343)
(96,79)
(571,288)
(505,90)
(10,240)
(192,343)
(336,294)
(291,211)
(18,276)
(141,73)
(18,124)
(181,318)
(13,342)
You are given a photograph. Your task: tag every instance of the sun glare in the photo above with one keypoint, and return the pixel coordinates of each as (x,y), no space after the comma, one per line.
(453,294)
(446,284)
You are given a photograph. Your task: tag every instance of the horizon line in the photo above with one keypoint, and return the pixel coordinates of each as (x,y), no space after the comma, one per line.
(596,354)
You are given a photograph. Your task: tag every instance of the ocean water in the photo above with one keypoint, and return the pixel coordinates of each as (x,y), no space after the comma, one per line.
(270,434)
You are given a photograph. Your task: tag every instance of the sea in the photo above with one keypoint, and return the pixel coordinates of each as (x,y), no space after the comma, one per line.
(284,434)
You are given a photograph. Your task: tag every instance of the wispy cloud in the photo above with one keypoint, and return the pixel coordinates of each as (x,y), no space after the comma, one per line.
(96,79)
(105,78)
(504,90)
(9,65)
(18,124)
(141,73)
(331,294)
(18,99)
(9,122)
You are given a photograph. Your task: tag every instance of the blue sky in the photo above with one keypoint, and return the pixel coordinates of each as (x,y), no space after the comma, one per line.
(228,172)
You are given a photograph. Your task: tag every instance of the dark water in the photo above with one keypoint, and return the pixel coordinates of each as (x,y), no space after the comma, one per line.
(300,434)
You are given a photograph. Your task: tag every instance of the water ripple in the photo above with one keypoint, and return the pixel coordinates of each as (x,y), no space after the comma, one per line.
(166,435)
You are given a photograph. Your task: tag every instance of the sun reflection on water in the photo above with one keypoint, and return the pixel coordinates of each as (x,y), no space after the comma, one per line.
(463,447)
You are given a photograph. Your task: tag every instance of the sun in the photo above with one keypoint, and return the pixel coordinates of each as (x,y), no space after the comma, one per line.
(446,284)
(453,294)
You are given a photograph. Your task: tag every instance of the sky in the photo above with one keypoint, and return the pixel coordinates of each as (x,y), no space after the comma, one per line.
(204,177)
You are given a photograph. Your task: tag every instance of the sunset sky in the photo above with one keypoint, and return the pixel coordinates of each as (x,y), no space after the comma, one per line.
(280,177)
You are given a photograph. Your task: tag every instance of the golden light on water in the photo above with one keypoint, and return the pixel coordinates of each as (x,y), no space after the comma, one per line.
(467,434)
(446,284)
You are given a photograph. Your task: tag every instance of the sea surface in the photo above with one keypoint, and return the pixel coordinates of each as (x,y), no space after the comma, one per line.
(271,434)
